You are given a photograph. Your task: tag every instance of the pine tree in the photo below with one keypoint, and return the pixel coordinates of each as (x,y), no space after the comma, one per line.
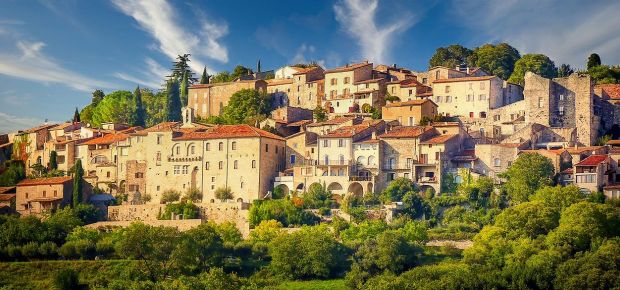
(53,160)
(98,95)
(593,60)
(78,175)
(181,67)
(76,116)
(140,115)
(184,88)
(204,79)
(173,101)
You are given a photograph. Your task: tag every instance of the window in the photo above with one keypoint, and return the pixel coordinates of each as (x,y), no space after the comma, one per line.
(448,99)
(410,92)
(159,137)
(341,159)
(266,147)
(185,169)
(341,142)
(407,175)
(192,150)
(212,178)
(470,85)
(208,147)
(437,75)
(497,162)
(392,163)
(107,174)
(561,97)
(325,143)
(411,121)
(471,114)
(424,80)
(241,184)
(438,99)
(482,85)
(44,193)
(234,145)
(334,81)
(437,156)
(220,165)
(236,164)
(482,97)
(207,165)
(391,176)
(293,156)
(55,193)
(177,150)
(253,163)
(561,110)
(540,102)
(220,146)
(347,80)
(158,156)
(447,89)
(139,175)
(470,98)
(177,169)
(483,114)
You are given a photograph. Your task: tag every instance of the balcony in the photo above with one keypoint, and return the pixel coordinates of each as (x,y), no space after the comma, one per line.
(333,162)
(284,178)
(360,178)
(184,159)
(427,179)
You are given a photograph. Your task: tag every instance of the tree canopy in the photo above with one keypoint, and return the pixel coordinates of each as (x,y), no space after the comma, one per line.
(117,107)
(528,173)
(497,59)
(537,63)
(450,56)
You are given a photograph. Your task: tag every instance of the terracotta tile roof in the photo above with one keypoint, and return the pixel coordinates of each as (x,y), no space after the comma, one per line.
(162,127)
(545,151)
(409,103)
(351,131)
(440,139)
(62,126)
(299,123)
(200,86)
(612,90)
(405,132)
(6,189)
(567,171)
(592,160)
(40,127)
(348,67)
(573,150)
(408,83)
(301,70)
(45,181)
(107,139)
(7,197)
(228,131)
(446,124)
(369,81)
(612,186)
(277,82)
(613,142)
(465,79)
(334,121)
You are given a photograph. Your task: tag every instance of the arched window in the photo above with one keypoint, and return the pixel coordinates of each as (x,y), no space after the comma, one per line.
(371,160)
(360,160)
(191,150)
(220,146)
(176,149)
(234,145)
(392,163)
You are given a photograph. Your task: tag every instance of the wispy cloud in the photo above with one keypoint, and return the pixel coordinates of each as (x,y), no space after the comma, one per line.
(566,31)
(161,21)
(301,55)
(30,63)
(151,77)
(357,19)
(10,123)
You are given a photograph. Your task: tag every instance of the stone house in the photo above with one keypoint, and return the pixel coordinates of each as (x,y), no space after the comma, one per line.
(279,89)
(496,158)
(327,126)
(468,97)
(37,196)
(409,113)
(209,99)
(352,88)
(408,89)
(593,173)
(308,88)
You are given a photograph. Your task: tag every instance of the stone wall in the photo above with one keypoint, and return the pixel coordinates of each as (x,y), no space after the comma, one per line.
(181,225)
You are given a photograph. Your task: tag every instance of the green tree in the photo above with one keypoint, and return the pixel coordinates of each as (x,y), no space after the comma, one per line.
(221,77)
(238,71)
(184,90)
(450,56)
(597,269)
(170,195)
(180,68)
(593,60)
(537,63)
(320,115)
(98,96)
(173,102)
(559,197)
(78,175)
(223,193)
(76,116)
(155,106)
(565,70)
(604,74)
(528,219)
(528,173)
(497,59)
(198,250)
(281,210)
(204,79)
(397,189)
(117,107)
(140,113)
(246,106)
(317,196)
(86,115)
(53,160)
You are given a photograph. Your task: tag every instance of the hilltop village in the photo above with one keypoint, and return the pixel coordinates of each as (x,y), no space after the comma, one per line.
(351,129)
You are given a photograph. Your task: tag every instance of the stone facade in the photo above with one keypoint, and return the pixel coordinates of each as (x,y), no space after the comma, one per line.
(209,100)
(409,113)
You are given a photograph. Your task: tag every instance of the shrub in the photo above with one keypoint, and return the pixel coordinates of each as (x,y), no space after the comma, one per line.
(67,250)
(325,211)
(104,247)
(317,196)
(14,252)
(170,195)
(281,210)
(66,279)
(48,250)
(223,193)
(85,249)
(187,209)
(30,250)
(193,194)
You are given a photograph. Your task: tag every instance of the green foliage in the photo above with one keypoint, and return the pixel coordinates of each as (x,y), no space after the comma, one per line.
(13,173)
(397,189)
(181,69)
(539,64)
(204,78)
(375,113)
(78,179)
(278,193)
(281,210)
(223,193)
(193,194)
(225,76)
(320,115)
(187,209)
(558,197)
(529,219)
(184,87)
(170,195)
(594,60)
(450,56)
(246,106)
(117,107)
(604,74)
(598,269)
(528,173)
(173,101)
(97,97)
(317,196)
(53,162)
(140,113)
(67,280)
(602,141)
(311,252)
(565,70)
(155,106)
(498,60)
(199,248)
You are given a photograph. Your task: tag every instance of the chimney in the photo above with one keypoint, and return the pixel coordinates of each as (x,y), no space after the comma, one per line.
(458,68)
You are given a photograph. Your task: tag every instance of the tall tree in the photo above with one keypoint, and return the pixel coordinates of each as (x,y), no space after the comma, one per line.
(78,175)
(181,67)
(497,59)
(184,88)
(565,70)
(173,101)
(76,116)
(246,106)
(593,60)
(258,66)
(117,107)
(537,63)
(140,115)
(98,96)
(204,79)
(53,160)
(450,56)
(527,174)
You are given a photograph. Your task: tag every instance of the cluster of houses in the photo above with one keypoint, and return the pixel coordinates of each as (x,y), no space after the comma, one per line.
(491,123)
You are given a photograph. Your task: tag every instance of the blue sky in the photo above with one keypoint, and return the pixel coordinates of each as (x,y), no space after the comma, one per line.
(54,53)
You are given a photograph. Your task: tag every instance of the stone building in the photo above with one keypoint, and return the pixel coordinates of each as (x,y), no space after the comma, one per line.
(308,88)
(352,88)
(40,195)
(209,99)
(409,113)
(408,89)
(496,158)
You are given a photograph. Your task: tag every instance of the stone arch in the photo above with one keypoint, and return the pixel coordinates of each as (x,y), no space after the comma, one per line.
(190,147)
(356,189)
(361,160)
(334,186)
(285,189)
(240,199)
(425,188)
(371,160)
(122,186)
(300,187)
(176,149)
(370,188)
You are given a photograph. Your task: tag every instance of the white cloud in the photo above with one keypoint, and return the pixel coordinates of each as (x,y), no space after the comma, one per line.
(10,123)
(32,64)
(566,31)
(159,19)
(152,77)
(357,18)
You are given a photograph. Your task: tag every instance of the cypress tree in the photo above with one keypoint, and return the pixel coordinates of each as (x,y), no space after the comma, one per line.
(204,79)
(78,174)
(53,160)
(184,88)
(173,101)
(98,95)
(140,114)
(76,116)
(593,60)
